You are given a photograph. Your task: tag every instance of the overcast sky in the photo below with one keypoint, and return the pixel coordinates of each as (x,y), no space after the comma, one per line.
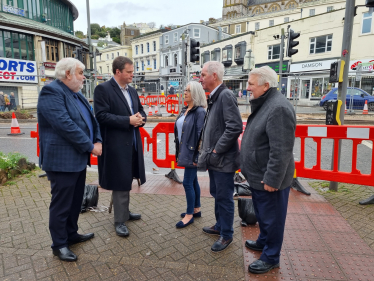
(114,12)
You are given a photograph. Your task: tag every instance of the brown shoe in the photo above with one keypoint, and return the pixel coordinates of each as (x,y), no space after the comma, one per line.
(221,244)
(211,230)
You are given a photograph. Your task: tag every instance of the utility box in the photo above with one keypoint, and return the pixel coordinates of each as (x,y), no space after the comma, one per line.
(333,112)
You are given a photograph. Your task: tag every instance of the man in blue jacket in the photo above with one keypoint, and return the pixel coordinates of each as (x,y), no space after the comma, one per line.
(68,134)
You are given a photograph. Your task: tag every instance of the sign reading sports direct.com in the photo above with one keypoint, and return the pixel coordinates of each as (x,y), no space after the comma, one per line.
(19,71)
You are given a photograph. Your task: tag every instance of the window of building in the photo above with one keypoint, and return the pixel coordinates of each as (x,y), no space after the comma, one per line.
(175,59)
(224,29)
(196,32)
(257,26)
(112,56)
(132,32)
(69,49)
(141,49)
(107,56)
(291,5)
(137,66)
(147,47)
(101,69)
(51,50)
(148,62)
(108,69)
(136,49)
(154,64)
(312,12)
(166,39)
(286,19)
(117,54)
(367,19)
(330,8)
(166,61)
(274,52)
(238,28)
(271,22)
(320,44)
(142,65)
(154,46)
(175,37)
(274,8)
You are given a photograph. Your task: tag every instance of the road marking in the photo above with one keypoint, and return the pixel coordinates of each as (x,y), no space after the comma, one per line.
(368,144)
(18,138)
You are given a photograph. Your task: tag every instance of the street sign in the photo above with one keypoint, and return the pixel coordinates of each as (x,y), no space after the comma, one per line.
(42,71)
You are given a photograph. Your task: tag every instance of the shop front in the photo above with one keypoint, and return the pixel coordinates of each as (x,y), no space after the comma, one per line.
(309,81)
(275,67)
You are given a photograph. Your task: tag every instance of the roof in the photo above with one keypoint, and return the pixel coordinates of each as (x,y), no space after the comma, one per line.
(259,2)
(26,25)
(72,8)
(150,33)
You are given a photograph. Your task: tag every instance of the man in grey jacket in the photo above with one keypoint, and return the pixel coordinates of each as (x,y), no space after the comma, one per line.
(219,150)
(267,163)
(2,101)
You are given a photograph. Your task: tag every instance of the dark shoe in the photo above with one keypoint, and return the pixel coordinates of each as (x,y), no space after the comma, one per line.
(250,244)
(65,254)
(260,266)
(211,230)
(180,224)
(121,229)
(196,215)
(81,238)
(134,217)
(221,244)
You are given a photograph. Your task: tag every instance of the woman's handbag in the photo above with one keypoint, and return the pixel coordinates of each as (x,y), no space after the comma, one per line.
(90,197)
(246,211)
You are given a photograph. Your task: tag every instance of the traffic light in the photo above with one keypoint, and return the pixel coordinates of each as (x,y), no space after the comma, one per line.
(369,3)
(78,53)
(194,51)
(336,71)
(292,35)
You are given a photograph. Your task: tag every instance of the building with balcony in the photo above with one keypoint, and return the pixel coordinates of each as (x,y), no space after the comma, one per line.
(34,36)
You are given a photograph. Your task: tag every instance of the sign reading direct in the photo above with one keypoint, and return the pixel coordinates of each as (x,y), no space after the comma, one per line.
(13,70)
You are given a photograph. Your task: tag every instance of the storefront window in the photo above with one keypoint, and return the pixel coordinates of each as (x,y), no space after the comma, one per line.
(293,88)
(16,53)
(317,84)
(327,86)
(23,43)
(305,88)
(8,44)
(1,45)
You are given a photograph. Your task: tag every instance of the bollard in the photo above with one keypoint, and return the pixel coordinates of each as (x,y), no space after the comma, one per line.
(173,174)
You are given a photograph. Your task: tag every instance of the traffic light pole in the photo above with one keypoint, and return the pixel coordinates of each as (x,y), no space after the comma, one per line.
(345,56)
(92,83)
(281,60)
(184,50)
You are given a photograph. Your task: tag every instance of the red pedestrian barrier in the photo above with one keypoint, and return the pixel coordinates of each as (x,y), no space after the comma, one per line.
(151,100)
(171,97)
(172,106)
(161,100)
(142,100)
(357,134)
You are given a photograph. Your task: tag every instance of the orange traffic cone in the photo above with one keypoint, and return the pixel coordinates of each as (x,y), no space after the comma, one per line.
(365,111)
(345,111)
(156,110)
(14,128)
(150,111)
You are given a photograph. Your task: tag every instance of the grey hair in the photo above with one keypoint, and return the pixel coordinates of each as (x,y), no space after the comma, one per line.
(215,67)
(67,64)
(265,75)
(197,94)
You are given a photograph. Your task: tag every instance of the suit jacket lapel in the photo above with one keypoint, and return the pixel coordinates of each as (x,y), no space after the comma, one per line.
(72,99)
(120,94)
(219,90)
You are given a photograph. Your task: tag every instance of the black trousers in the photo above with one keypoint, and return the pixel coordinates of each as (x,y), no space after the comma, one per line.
(121,199)
(67,190)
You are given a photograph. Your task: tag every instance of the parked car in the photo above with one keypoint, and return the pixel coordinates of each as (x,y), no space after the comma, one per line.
(356,95)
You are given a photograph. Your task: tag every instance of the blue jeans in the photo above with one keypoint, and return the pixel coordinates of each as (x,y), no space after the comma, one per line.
(222,189)
(192,188)
(271,211)
(2,108)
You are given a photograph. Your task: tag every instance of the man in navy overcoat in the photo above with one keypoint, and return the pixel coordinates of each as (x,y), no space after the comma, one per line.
(68,134)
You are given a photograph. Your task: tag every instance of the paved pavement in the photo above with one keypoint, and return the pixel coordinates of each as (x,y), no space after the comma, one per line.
(322,239)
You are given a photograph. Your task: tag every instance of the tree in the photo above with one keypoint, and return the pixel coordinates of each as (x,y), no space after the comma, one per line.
(152,24)
(80,34)
(101,44)
(116,39)
(115,32)
(95,28)
(102,34)
(95,36)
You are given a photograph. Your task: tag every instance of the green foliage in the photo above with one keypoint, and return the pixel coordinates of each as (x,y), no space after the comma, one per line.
(95,37)
(25,172)
(95,28)
(102,34)
(80,34)
(10,160)
(10,183)
(115,32)
(101,44)
(117,40)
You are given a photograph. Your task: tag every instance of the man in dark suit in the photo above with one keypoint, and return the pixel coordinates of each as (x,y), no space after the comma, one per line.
(68,134)
(120,114)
